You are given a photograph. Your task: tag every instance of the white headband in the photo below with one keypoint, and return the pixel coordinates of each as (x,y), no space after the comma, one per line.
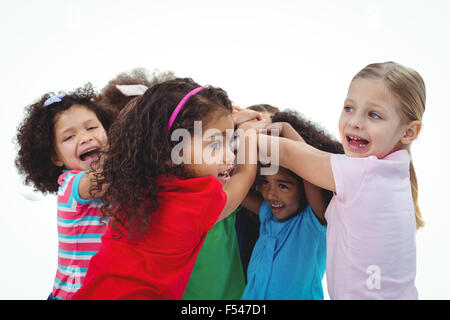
(132,89)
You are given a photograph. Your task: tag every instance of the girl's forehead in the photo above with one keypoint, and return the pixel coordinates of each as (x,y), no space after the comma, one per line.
(362,89)
(76,112)
(219,121)
(374,92)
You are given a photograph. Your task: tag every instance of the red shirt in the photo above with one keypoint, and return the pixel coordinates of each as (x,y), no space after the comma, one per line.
(160,264)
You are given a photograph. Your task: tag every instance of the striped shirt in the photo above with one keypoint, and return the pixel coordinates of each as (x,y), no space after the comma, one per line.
(79,233)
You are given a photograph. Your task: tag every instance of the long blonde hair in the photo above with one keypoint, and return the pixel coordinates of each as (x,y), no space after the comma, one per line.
(409,88)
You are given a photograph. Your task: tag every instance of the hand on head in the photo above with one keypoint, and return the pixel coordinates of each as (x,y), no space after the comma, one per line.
(243,115)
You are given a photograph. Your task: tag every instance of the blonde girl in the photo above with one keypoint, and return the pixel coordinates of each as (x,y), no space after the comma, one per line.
(374,213)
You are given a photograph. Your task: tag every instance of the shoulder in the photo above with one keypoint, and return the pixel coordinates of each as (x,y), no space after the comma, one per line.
(198,187)
(69,182)
(398,159)
(200,199)
(349,174)
(396,163)
(342,160)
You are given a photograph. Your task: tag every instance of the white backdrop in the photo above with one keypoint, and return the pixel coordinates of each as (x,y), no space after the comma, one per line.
(291,54)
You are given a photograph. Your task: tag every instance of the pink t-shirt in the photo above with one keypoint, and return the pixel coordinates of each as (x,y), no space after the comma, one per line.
(371,251)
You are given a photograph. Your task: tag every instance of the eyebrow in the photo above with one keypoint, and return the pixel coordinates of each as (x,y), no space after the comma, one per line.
(83,123)
(370,103)
(348,99)
(373,104)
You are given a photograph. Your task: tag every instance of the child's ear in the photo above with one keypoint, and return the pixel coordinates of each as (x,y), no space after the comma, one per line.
(412,131)
(56,161)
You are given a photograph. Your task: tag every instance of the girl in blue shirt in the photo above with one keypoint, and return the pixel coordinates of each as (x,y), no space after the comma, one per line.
(289,257)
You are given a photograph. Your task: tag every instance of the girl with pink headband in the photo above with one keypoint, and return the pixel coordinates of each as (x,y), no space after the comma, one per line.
(161,211)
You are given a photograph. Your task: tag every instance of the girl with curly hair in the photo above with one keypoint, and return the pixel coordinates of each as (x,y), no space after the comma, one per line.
(288,259)
(162,208)
(59,140)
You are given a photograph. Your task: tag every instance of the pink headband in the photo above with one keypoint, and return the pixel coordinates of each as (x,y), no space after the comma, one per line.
(180,106)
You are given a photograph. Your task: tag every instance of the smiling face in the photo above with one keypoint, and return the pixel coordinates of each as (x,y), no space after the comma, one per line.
(370,123)
(282,192)
(79,137)
(216,154)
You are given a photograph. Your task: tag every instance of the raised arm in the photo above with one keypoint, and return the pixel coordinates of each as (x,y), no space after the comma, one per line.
(304,160)
(252,201)
(316,200)
(245,171)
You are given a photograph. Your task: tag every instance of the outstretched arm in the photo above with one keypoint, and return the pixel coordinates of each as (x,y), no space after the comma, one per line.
(86,183)
(285,130)
(304,160)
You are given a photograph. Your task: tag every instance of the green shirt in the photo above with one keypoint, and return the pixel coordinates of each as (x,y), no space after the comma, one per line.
(218,272)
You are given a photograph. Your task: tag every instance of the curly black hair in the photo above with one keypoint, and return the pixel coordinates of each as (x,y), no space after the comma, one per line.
(264,108)
(140,149)
(35,136)
(111,97)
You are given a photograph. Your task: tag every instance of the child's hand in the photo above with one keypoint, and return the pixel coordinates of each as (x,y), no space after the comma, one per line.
(254,124)
(242,115)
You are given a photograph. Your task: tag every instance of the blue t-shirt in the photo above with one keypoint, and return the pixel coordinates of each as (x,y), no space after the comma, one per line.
(289,258)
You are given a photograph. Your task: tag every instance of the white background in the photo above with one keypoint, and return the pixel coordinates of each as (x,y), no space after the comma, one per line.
(291,54)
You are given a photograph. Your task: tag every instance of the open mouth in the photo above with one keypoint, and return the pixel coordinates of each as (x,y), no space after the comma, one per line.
(90,155)
(357,142)
(225,176)
(276,207)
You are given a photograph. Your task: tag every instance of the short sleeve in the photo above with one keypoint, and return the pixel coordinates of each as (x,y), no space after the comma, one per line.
(349,174)
(69,183)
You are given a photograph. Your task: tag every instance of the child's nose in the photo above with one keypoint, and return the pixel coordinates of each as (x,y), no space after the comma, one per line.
(85,137)
(356,121)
